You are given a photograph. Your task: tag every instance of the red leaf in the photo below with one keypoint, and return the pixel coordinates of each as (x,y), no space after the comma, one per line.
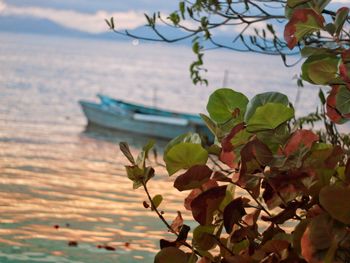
(196,192)
(233,214)
(255,155)
(333,114)
(344,69)
(226,142)
(205,204)
(193,178)
(300,138)
(300,16)
(343,72)
(228,158)
(177,223)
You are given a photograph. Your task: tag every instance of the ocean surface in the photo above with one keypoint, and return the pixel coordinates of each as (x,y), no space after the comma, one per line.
(60,183)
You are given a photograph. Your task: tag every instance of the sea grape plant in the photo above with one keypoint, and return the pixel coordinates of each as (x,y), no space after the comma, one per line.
(296,182)
(289,175)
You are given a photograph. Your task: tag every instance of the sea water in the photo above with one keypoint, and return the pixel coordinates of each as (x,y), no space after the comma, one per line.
(60,183)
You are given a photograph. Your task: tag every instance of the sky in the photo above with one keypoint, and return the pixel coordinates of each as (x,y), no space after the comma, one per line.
(88,15)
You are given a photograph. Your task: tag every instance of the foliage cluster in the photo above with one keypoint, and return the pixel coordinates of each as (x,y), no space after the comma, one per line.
(291,176)
(254,25)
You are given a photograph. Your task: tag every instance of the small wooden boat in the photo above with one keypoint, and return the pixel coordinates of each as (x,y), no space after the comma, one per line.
(123,116)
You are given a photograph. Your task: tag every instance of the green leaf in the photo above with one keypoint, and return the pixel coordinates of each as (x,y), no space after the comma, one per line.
(313,51)
(183,156)
(141,158)
(340,19)
(241,138)
(294,3)
(203,237)
(321,4)
(262,99)
(174,18)
(343,100)
(210,124)
(196,47)
(124,147)
(138,175)
(321,96)
(269,116)
(330,28)
(171,255)
(229,196)
(335,200)
(274,138)
(187,137)
(323,71)
(182,9)
(156,200)
(225,104)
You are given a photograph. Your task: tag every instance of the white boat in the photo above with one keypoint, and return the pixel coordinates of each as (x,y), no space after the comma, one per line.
(152,122)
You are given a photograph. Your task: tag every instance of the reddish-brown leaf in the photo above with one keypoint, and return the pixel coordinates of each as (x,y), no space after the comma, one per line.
(299,139)
(193,178)
(205,204)
(333,114)
(233,214)
(226,142)
(227,155)
(177,223)
(220,177)
(343,72)
(196,192)
(228,158)
(301,16)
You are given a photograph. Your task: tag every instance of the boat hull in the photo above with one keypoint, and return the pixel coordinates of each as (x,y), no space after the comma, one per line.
(103,117)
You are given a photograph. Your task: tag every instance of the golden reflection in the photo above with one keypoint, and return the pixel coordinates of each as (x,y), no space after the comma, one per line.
(61,188)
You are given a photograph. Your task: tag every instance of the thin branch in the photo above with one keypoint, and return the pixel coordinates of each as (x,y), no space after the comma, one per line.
(161,217)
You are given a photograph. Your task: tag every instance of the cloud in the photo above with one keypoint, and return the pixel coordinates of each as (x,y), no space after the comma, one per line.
(2,6)
(91,23)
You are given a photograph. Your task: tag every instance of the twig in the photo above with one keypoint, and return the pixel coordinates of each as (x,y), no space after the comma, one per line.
(161,217)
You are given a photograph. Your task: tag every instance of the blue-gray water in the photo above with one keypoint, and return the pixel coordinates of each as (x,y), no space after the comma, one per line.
(53,173)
